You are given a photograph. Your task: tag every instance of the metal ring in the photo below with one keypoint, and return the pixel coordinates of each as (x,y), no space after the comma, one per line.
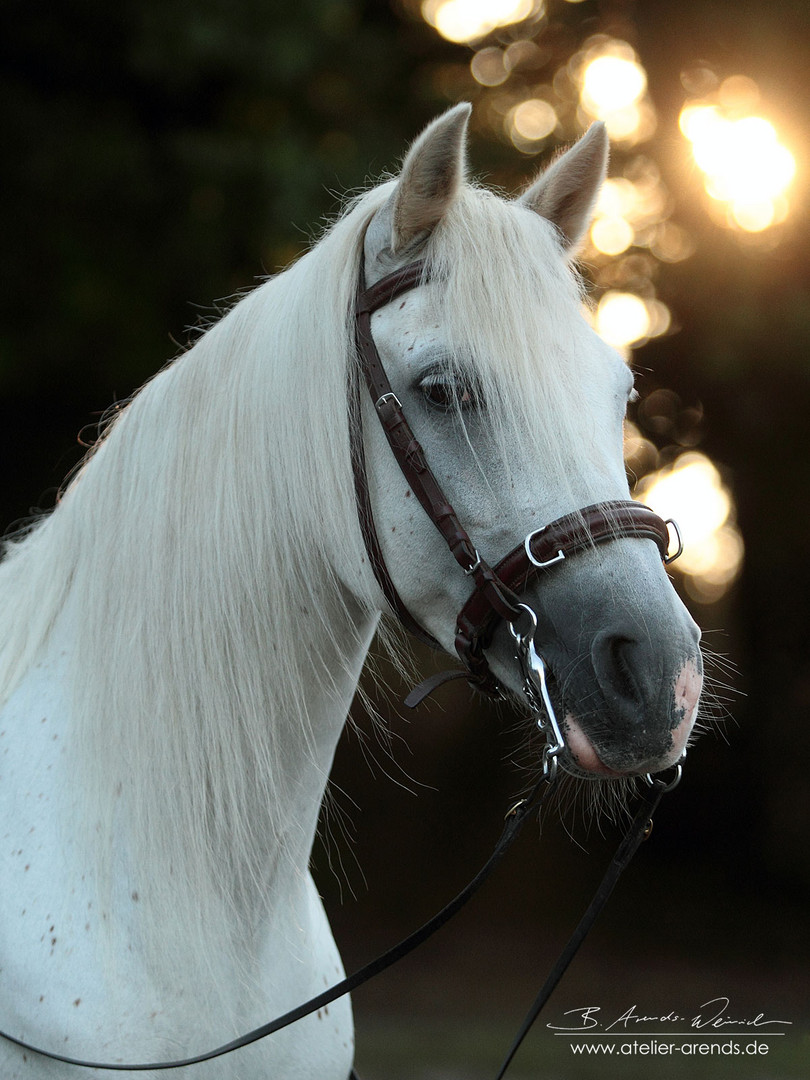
(671,558)
(518,637)
(653,781)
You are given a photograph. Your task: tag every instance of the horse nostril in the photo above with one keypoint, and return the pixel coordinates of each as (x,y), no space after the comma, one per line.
(613,663)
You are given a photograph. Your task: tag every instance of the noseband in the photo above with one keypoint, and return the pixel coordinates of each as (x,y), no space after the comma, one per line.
(495,594)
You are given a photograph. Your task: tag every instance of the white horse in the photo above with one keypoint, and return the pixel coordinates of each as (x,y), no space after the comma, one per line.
(182,637)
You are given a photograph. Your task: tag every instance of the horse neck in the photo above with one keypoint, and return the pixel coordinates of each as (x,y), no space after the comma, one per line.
(204,685)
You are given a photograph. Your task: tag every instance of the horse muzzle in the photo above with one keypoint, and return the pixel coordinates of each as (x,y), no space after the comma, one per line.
(614,725)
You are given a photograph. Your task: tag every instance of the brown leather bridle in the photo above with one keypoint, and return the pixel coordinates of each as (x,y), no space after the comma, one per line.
(495,589)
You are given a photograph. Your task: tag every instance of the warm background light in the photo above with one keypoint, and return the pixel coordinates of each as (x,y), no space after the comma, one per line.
(693,493)
(612,234)
(531,121)
(613,88)
(746,168)
(468,20)
(610,83)
(622,318)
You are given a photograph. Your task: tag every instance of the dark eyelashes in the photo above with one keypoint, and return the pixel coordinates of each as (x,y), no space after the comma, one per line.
(450,393)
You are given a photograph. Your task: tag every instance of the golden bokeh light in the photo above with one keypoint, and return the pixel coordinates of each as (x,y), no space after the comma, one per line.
(620,209)
(530,122)
(611,83)
(739,94)
(612,234)
(660,318)
(622,318)
(640,454)
(692,492)
(617,198)
(488,67)
(613,88)
(746,167)
(670,243)
(469,20)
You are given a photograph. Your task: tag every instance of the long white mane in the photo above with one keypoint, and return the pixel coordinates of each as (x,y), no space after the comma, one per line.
(212,522)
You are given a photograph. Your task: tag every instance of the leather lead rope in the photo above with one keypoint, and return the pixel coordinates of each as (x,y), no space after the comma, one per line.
(639,831)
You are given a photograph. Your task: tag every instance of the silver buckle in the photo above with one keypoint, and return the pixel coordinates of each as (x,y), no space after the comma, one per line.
(475,565)
(385,399)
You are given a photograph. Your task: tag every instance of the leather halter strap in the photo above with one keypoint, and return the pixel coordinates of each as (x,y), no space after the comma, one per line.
(412,462)
(495,592)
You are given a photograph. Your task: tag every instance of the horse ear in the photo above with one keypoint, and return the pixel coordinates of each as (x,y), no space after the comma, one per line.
(431,175)
(567,191)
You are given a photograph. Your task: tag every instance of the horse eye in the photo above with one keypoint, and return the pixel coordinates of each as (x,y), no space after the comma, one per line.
(448,394)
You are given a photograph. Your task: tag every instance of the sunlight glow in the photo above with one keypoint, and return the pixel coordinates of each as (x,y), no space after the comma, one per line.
(612,235)
(622,318)
(530,122)
(611,83)
(468,20)
(613,87)
(693,493)
(488,67)
(745,166)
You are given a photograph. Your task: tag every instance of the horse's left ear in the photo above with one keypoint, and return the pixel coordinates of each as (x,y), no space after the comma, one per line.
(567,191)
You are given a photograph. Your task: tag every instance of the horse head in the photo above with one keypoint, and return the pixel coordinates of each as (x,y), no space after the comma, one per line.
(519,407)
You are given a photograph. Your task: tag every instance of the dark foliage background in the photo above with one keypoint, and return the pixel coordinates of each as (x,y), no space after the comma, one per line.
(160,155)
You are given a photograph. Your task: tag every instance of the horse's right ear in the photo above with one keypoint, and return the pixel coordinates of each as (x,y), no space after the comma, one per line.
(432,173)
(567,191)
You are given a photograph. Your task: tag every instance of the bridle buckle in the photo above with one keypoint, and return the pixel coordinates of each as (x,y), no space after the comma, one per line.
(541,564)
